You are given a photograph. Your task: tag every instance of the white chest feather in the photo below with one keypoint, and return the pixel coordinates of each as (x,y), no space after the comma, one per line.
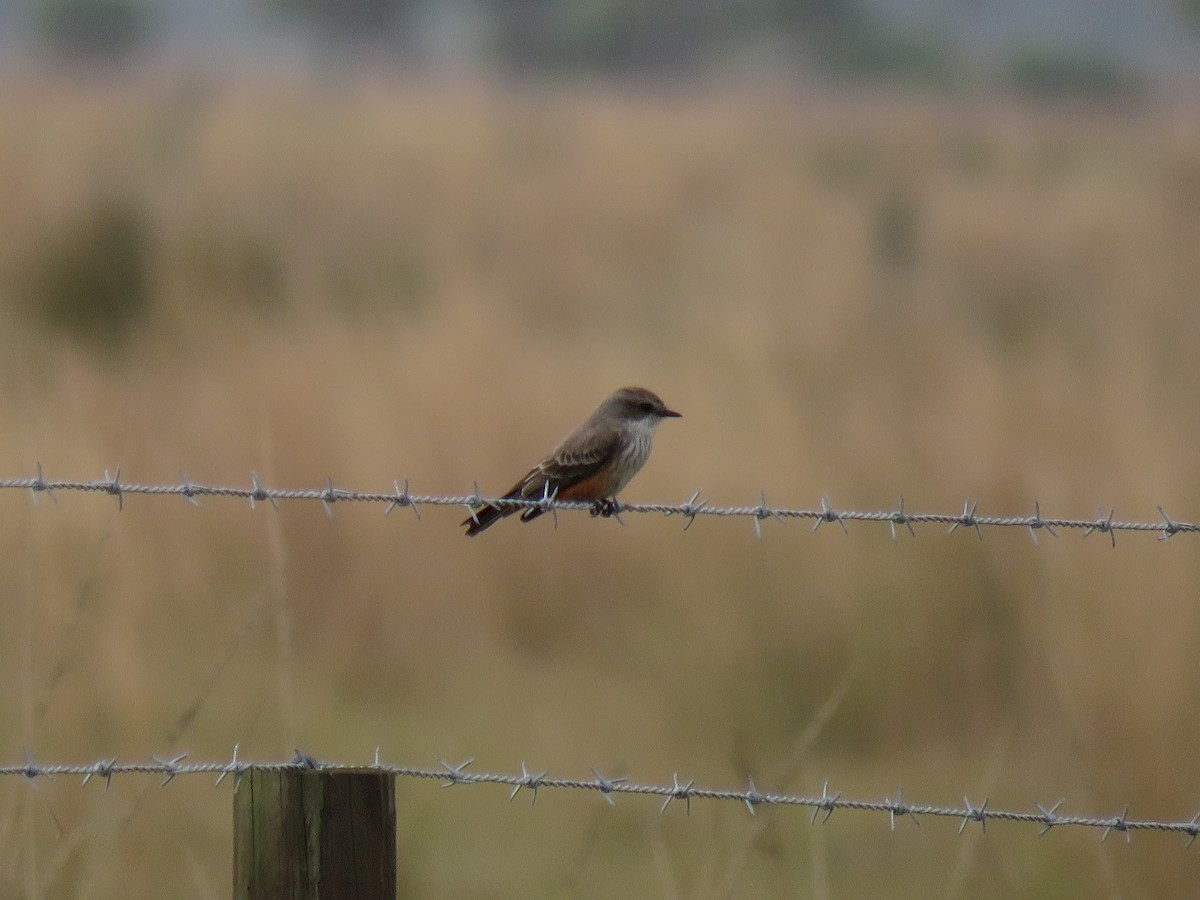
(640,438)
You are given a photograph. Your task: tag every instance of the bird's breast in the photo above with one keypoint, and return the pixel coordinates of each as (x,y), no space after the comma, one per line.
(632,457)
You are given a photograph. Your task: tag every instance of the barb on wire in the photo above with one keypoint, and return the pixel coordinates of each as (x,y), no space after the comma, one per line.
(114,487)
(967,518)
(606,786)
(403,498)
(690,510)
(900,517)
(1046,817)
(38,485)
(1104,526)
(974,814)
(188,494)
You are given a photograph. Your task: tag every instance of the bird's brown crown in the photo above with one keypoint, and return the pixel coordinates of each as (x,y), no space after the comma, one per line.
(638,403)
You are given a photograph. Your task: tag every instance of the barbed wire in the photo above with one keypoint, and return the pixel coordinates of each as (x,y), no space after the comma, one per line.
(691,509)
(823,805)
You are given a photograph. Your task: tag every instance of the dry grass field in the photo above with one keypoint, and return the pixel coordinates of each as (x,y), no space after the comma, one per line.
(856,295)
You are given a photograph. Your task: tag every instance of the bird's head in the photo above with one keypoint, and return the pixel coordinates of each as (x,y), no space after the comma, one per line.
(637,404)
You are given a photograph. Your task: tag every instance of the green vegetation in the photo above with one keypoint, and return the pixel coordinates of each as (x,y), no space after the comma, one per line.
(93,28)
(91,278)
(844,295)
(1045,72)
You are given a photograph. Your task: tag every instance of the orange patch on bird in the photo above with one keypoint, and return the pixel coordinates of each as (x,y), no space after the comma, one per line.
(594,488)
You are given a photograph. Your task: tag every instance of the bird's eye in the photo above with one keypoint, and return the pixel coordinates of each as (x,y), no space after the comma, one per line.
(646,406)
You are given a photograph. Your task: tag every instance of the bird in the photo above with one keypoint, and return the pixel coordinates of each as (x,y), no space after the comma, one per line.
(594,462)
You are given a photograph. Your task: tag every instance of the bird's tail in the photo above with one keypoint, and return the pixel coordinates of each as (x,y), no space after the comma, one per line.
(485,517)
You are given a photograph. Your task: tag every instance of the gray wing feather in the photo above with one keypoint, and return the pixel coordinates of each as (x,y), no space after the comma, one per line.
(571,462)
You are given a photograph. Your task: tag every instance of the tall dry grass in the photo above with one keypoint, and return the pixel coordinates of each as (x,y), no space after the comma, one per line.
(847,295)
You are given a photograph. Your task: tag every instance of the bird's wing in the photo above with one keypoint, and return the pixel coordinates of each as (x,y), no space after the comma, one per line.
(571,462)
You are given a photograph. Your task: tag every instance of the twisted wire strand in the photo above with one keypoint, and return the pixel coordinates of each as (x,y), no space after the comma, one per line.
(690,510)
(823,805)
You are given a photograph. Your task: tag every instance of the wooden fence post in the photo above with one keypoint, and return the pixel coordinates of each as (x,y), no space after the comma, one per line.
(301,834)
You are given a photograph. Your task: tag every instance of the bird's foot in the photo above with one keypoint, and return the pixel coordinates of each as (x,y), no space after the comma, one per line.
(606,508)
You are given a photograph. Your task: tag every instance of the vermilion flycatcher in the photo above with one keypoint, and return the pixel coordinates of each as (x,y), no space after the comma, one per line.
(594,462)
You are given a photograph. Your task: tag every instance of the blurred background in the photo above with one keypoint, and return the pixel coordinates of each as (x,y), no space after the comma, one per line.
(867,247)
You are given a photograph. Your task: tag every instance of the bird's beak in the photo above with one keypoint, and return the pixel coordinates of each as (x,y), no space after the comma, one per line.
(671,414)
